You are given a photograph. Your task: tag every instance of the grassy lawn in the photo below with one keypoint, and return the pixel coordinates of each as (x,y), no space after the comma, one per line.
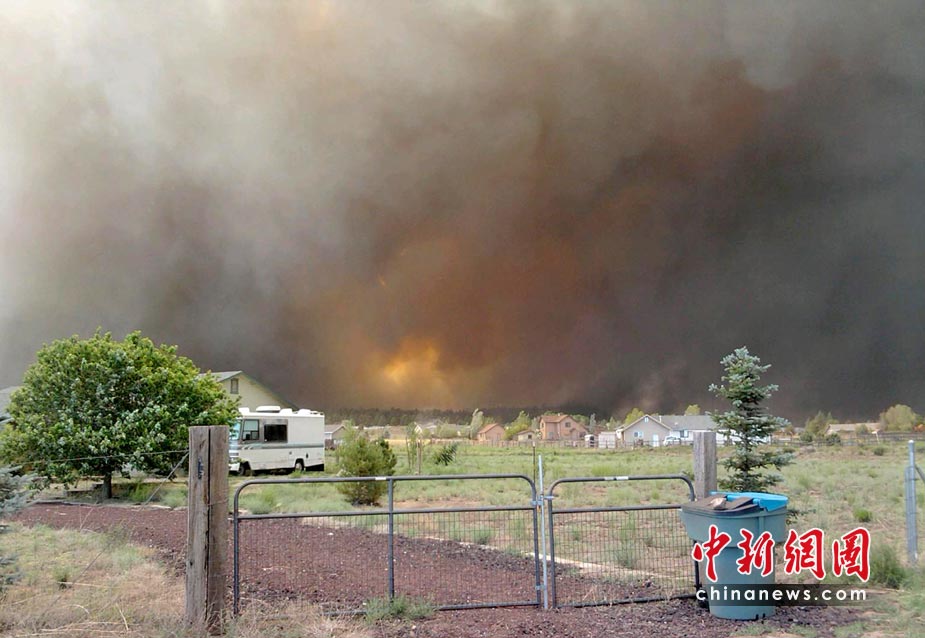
(834,488)
(83,584)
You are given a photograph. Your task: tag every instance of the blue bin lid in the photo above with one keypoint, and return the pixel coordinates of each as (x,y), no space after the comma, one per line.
(769,502)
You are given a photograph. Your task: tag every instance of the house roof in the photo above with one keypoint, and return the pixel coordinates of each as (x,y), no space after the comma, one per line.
(687,421)
(554,418)
(224,376)
(675,422)
(644,418)
(488,426)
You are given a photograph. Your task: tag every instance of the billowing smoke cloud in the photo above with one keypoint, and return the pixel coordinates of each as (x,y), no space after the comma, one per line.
(462,204)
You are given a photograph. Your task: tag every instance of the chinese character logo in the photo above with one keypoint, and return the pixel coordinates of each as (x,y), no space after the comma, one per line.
(851,554)
(804,552)
(710,549)
(757,555)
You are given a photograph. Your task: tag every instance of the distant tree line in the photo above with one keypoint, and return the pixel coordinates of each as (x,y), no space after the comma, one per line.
(511,416)
(381,417)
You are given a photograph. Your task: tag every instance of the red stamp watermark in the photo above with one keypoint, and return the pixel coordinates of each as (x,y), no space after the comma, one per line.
(802,552)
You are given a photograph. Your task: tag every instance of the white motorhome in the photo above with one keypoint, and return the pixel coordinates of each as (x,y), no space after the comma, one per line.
(270,438)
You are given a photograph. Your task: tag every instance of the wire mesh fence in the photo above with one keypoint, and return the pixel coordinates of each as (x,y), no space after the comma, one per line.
(336,562)
(467,558)
(614,554)
(458,556)
(482,548)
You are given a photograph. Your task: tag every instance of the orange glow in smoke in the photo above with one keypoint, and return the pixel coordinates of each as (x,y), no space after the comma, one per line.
(415,361)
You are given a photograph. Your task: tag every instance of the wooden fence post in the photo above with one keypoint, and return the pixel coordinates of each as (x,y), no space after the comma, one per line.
(704,463)
(207,543)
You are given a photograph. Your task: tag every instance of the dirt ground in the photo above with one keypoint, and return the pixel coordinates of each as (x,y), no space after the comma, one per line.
(292,567)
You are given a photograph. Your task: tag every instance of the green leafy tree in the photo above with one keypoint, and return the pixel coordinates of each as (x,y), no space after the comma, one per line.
(692,410)
(358,456)
(521,424)
(899,418)
(634,414)
(748,424)
(818,424)
(478,420)
(93,407)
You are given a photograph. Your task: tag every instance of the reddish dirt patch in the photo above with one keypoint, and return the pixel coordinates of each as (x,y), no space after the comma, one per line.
(286,559)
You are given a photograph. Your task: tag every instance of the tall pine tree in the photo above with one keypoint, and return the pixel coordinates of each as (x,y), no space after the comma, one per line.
(748,425)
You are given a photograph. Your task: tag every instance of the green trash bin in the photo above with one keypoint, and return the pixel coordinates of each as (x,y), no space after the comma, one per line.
(731,512)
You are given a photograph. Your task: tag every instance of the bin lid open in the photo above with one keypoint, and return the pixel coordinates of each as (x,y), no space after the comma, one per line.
(736,503)
(719,505)
(770,502)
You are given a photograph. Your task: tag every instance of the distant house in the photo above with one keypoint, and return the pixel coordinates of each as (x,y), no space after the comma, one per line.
(252,393)
(334,434)
(646,430)
(561,427)
(653,429)
(526,435)
(608,440)
(491,433)
(852,429)
(683,426)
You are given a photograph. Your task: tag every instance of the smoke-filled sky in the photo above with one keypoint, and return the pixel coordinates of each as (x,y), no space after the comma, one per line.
(463,204)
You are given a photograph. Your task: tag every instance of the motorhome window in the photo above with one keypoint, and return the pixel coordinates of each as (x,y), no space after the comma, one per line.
(275,431)
(251,430)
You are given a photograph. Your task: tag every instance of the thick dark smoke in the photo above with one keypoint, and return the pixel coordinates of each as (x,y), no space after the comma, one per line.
(461,204)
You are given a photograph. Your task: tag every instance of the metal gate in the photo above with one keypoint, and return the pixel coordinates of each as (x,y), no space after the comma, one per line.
(469,554)
(615,554)
(463,556)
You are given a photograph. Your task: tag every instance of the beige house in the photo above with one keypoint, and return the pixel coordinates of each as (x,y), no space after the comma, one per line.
(334,434)
(646,430)
(491,433)
(251,392)
(561,427)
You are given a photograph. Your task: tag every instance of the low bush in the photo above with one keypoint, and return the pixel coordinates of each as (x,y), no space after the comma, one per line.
(832,439)
(358,456)
(401,606)
(885,568)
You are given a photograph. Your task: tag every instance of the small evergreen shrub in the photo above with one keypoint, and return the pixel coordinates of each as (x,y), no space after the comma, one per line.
(358,456)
